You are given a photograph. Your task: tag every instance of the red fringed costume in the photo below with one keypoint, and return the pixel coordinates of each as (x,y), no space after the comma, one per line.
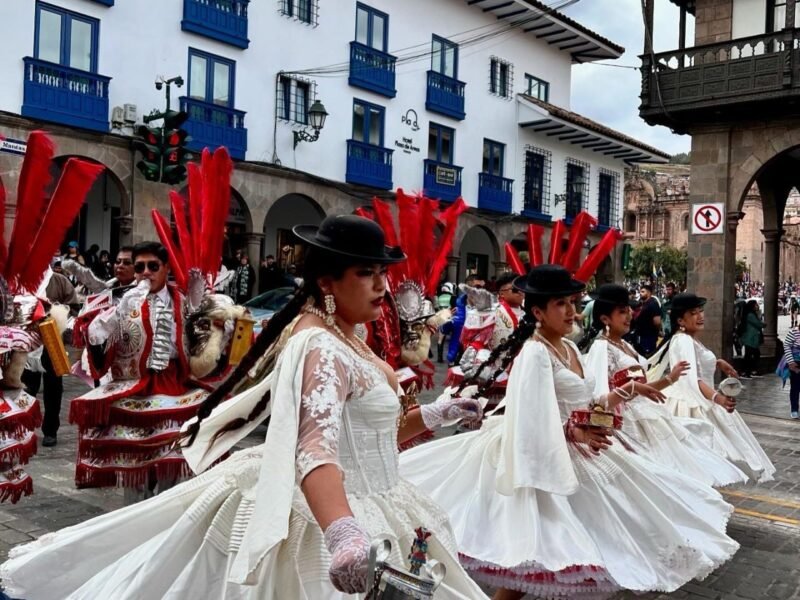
(160,348)
(40,224)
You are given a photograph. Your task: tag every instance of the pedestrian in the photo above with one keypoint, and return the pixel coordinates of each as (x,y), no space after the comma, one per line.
(791,355)
(74,254)
(445,300)
(58,290)
(90,257)
(291,279)
(244,280)
(103,267)
(794,308)
(459,316)
(270,275)
(751,335)
(647,323)
(666,305)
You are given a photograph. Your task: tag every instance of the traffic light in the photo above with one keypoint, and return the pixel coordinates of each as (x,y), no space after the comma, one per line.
(149,141)
(174,152)
(175,156)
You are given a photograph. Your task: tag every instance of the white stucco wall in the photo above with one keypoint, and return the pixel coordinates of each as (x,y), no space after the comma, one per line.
(142,39)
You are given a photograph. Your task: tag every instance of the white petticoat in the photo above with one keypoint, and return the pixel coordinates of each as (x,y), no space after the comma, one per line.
(180,544)
(632,524)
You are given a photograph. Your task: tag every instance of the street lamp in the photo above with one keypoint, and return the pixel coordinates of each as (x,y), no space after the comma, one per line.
(316,118)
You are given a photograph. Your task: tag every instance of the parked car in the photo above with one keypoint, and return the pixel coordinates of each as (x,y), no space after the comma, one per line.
(263,306)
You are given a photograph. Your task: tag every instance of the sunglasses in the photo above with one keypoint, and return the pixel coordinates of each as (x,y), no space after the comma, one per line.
(151,265)
(123,261)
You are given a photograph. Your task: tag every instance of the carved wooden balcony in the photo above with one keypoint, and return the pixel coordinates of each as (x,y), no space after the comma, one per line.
(722,81)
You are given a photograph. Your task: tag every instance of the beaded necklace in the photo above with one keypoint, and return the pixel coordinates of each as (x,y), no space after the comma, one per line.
(361,348)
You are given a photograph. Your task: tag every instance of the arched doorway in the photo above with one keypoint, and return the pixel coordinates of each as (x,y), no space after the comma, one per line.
(279,241)
(479,253)
(98,221)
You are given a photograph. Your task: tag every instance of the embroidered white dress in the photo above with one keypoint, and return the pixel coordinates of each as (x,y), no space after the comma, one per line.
(732,437)
(532,513)
(653,431)
(243,529)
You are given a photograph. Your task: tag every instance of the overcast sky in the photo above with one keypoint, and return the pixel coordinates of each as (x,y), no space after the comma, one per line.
(610,95)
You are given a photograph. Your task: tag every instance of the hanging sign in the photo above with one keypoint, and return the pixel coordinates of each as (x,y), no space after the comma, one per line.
(13,146)
(708,218)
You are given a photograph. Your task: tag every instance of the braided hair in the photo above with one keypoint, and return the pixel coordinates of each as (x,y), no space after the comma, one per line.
(504,354)
(318,264)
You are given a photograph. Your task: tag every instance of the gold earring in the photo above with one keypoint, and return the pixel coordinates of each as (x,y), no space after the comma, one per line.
(330,308)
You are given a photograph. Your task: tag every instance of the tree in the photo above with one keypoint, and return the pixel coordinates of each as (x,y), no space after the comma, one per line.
(670,263)
(681,158)
(741,269)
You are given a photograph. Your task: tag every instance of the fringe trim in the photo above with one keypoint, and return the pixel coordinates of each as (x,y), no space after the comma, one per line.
(139,451)
(12,491)
(87,476)
(99,413)
(20,423)
(94,412)
(453,379)
(88,444)
(19,452)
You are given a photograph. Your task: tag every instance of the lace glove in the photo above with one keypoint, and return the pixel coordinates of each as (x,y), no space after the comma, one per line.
(349,547)
(447,410)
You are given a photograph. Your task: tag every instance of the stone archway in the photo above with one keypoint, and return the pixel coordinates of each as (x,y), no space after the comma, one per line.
(479,252)
(285,213)
(99,221)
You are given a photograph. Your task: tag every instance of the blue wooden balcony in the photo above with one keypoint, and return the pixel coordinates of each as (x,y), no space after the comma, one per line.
(221,20)
(441,180)
(372,70)
(65,95)
(369,165)
(445,95)
(213,126)
(106,2)
(494,193)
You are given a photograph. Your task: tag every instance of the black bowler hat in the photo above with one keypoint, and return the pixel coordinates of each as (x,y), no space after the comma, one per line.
(351,236)
(548,280)
(609,297)
(683,302)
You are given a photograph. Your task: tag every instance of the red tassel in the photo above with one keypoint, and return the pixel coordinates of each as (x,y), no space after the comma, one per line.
(408,228)
(184,246)
(165,235)
(383,216)
(31,201)
(598,255)
(535,233)
(513,260)
(559,229)
(73,185)
(583,223)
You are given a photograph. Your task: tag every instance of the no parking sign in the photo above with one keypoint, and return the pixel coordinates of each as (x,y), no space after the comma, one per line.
(708,218)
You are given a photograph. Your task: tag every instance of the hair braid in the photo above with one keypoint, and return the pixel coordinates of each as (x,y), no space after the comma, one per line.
(264,341)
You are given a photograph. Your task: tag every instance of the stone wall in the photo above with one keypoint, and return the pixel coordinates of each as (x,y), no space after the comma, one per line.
(713,21)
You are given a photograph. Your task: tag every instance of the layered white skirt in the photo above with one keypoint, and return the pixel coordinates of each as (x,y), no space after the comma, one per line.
(732,437)
(632,524)
(181,544)
(680,443)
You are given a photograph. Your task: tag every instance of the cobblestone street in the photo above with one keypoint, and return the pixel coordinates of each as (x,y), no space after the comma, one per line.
(766,521)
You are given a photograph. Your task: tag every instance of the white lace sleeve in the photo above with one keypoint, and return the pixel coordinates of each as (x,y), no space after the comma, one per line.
(326,387)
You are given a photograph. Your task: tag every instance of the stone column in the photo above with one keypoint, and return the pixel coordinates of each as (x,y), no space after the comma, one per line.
(452,268)
(772,240)
(254,241)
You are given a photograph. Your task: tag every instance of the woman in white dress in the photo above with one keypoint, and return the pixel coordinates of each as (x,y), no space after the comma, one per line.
(694,395)
(540,505)
(680,443)
(294,517)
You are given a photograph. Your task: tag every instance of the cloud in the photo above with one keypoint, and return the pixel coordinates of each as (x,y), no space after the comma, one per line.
(610,94)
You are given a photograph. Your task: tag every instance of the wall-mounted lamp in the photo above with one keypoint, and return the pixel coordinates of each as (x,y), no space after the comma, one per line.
(316,118)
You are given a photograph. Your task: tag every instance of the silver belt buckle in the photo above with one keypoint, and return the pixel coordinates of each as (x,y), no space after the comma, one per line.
(388,582)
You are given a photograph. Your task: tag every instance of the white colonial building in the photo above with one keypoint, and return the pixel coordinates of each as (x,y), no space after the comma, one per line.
(449,97)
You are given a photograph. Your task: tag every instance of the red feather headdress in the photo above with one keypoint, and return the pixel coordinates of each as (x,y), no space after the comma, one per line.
(41,221)
(570,258)
(200,223)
